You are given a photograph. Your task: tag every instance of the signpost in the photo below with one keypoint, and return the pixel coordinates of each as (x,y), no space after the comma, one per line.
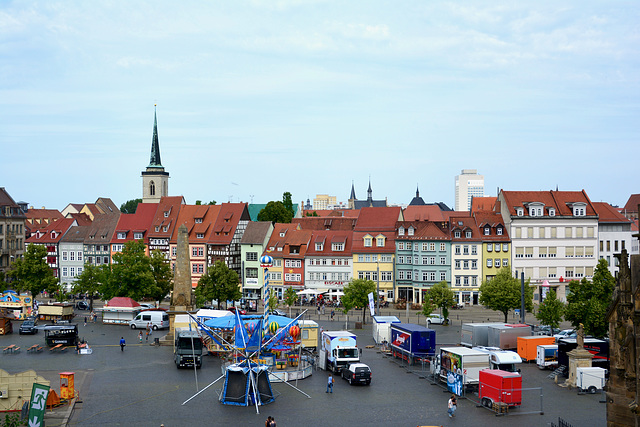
(38,405)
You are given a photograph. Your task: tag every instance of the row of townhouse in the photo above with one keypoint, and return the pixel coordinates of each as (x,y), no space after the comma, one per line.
(551,237)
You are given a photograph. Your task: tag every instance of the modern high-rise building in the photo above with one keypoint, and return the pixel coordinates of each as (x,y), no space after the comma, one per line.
(468,185)
(322,201)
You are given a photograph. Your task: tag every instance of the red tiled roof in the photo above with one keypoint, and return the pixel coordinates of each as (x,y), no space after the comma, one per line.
(560,200)
(227,221)
(632,203)
(424,213)
(423,230)
(378,218)
(327,237)
(326,223)
(483,203)
(141,220)
(607,213)
(60,227)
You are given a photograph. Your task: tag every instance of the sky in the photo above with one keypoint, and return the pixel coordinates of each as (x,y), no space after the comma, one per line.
(257,98)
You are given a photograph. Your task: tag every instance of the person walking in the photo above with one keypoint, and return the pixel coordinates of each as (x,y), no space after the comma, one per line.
(330,384)
(452,406)
(268,422)
(140,337)
(273,422)
(122,343)
(333,313)
(85,320)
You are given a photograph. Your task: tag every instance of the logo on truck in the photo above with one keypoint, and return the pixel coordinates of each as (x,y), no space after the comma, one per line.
(400,339)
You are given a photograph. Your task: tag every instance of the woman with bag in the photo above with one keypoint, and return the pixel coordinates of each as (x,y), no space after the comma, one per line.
(452,405)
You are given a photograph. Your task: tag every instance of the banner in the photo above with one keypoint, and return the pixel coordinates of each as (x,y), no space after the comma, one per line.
(38,404)
(372,306)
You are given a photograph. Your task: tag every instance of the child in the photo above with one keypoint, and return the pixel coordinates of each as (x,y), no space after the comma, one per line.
(140,337)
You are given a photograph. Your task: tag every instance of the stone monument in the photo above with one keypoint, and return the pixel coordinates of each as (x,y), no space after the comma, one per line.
(182,300)
(578,357)
(624,320)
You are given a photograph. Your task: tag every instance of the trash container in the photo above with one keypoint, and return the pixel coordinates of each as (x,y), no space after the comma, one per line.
(358,325)
(156,341)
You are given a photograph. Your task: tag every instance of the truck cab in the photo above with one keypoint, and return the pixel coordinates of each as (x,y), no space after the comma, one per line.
(187,349)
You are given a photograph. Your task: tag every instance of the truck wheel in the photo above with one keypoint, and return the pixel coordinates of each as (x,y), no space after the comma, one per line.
(133,326)
(486,402)
(350,381)
(592,390)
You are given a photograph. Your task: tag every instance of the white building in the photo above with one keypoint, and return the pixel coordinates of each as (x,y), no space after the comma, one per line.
(328,261)
(468,185)
(614,234)
(72,256)
(554,237)
(323,201)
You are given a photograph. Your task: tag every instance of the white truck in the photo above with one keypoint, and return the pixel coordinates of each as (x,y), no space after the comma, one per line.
(460,367)
(504,360)
(547,356)
(337,349)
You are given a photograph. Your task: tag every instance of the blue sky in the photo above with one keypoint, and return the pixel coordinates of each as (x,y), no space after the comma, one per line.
(256,98)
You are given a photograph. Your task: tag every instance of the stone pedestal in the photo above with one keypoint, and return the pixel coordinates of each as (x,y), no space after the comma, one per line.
(578,358)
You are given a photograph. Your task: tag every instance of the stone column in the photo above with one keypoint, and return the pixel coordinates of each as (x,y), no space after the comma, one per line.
(182,300)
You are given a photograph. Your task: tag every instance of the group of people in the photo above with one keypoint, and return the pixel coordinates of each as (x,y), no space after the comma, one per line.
(271,422)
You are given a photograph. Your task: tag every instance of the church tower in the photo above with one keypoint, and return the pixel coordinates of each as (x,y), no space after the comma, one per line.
(155,181)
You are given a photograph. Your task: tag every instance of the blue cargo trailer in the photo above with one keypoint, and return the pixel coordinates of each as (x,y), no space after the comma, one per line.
(412,342)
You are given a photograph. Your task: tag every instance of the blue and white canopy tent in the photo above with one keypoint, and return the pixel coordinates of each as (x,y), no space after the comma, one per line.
(247,381)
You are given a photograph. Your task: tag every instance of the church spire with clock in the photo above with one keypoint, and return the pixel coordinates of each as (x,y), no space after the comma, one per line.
(155,181)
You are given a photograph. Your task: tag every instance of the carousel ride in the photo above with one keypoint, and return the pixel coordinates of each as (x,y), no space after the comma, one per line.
(260,351)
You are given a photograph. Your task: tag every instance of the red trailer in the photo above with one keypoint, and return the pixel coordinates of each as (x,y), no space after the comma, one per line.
(498,386)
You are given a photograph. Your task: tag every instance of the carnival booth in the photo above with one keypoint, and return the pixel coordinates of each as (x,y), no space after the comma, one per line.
(20,306)
(119,310)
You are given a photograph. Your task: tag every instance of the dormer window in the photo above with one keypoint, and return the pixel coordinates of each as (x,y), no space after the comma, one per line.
(380,240)
(456,234)
(166,214)
(467,234)
(198,220)
(411,230)
(157,228)
(319,247)
(368,241)
(337,247)
(487,231)
(164,229)
(519,211)
(53,234)
(499,231)
(401,231)
(536,209)
(122,235)
(199,235)
(552,212)
(579,209)
(282,233)
(137,235)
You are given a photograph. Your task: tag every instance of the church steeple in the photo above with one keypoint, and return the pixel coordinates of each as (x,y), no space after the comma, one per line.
(155,145)
(155,181)
(353,192)
(369,192)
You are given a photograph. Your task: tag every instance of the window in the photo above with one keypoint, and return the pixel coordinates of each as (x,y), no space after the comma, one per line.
(400,274)
(467,234)
(319,247)
(499,231)
(496,262)
(505,262)
(519,252)
(105,260)
(64,255)
(474,264)
(443,276)
(487,231)
(424,260)
(409,275)
(542,252)
(79,256)
(64,271)
(489,247)
(337,247)
(457,263)
(72,255)
(122,235)
(505,247)
(457,248)
(199,235)
(138,235)
(552,212)
(174,250)
(443,260)
(252,273)
(443,247)
(489,262)
(496,247)
(528,252)
(400,259)
(425,276)
(474,250)
(386,258)
(465,264)
(194,251)
(466,280)
(401,231)
(552,251)
(380,242)
(79,271)
(465,250)
(401,246)
(456,234)
(432,260)
(252,256)
(520,211)
(432,276)
(568,272)
(368,242)
(457,280)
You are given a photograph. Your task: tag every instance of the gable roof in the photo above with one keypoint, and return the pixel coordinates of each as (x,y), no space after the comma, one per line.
(188,216)
(326,223)
(256,232)
(609,214)
(632,203)
(423,230)
(483,203)
(139,221)
(169,206)
(102,228)
(328,238)
(54,231)
(559,200)
(122,301)
(378,218)
(227,222)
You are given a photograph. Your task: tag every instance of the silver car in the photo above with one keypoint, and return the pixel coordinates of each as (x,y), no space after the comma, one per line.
(436,319)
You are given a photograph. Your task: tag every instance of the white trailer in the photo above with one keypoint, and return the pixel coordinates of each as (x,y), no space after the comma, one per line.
(589,379)
(382,328)
(460,366)
(547,356)
(503,360)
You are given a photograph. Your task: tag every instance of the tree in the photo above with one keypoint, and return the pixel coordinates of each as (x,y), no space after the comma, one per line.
(290,298)
(427,307)
(356,295)
(130,206)
(162,275)
(32,273)
(288,204)
(550,310)
(503,293)
(91,280)
(275,212)
(220,284)
(587,302)
(441,296)
(131,274)
(199,202)
(273,301)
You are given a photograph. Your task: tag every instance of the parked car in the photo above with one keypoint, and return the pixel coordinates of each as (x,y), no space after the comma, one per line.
(277,312)
(566,333)
(28,327)
(82,305)
(437,319)
(240,310)
(147,306)
(357,373)
(545,330)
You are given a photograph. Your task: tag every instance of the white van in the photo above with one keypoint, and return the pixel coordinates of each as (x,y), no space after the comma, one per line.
(158,319)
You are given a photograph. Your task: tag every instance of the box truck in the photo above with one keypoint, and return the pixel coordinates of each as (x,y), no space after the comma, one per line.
(504,360)
(476,334)
(459,367)
(598,347)
(187,348)
(506,336)
(337,349)
(382,328)
(412,342)
(502,387)
(547,356)
(528,346)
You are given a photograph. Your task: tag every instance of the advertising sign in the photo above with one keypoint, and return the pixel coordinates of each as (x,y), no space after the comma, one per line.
(372,307)
(38,404)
